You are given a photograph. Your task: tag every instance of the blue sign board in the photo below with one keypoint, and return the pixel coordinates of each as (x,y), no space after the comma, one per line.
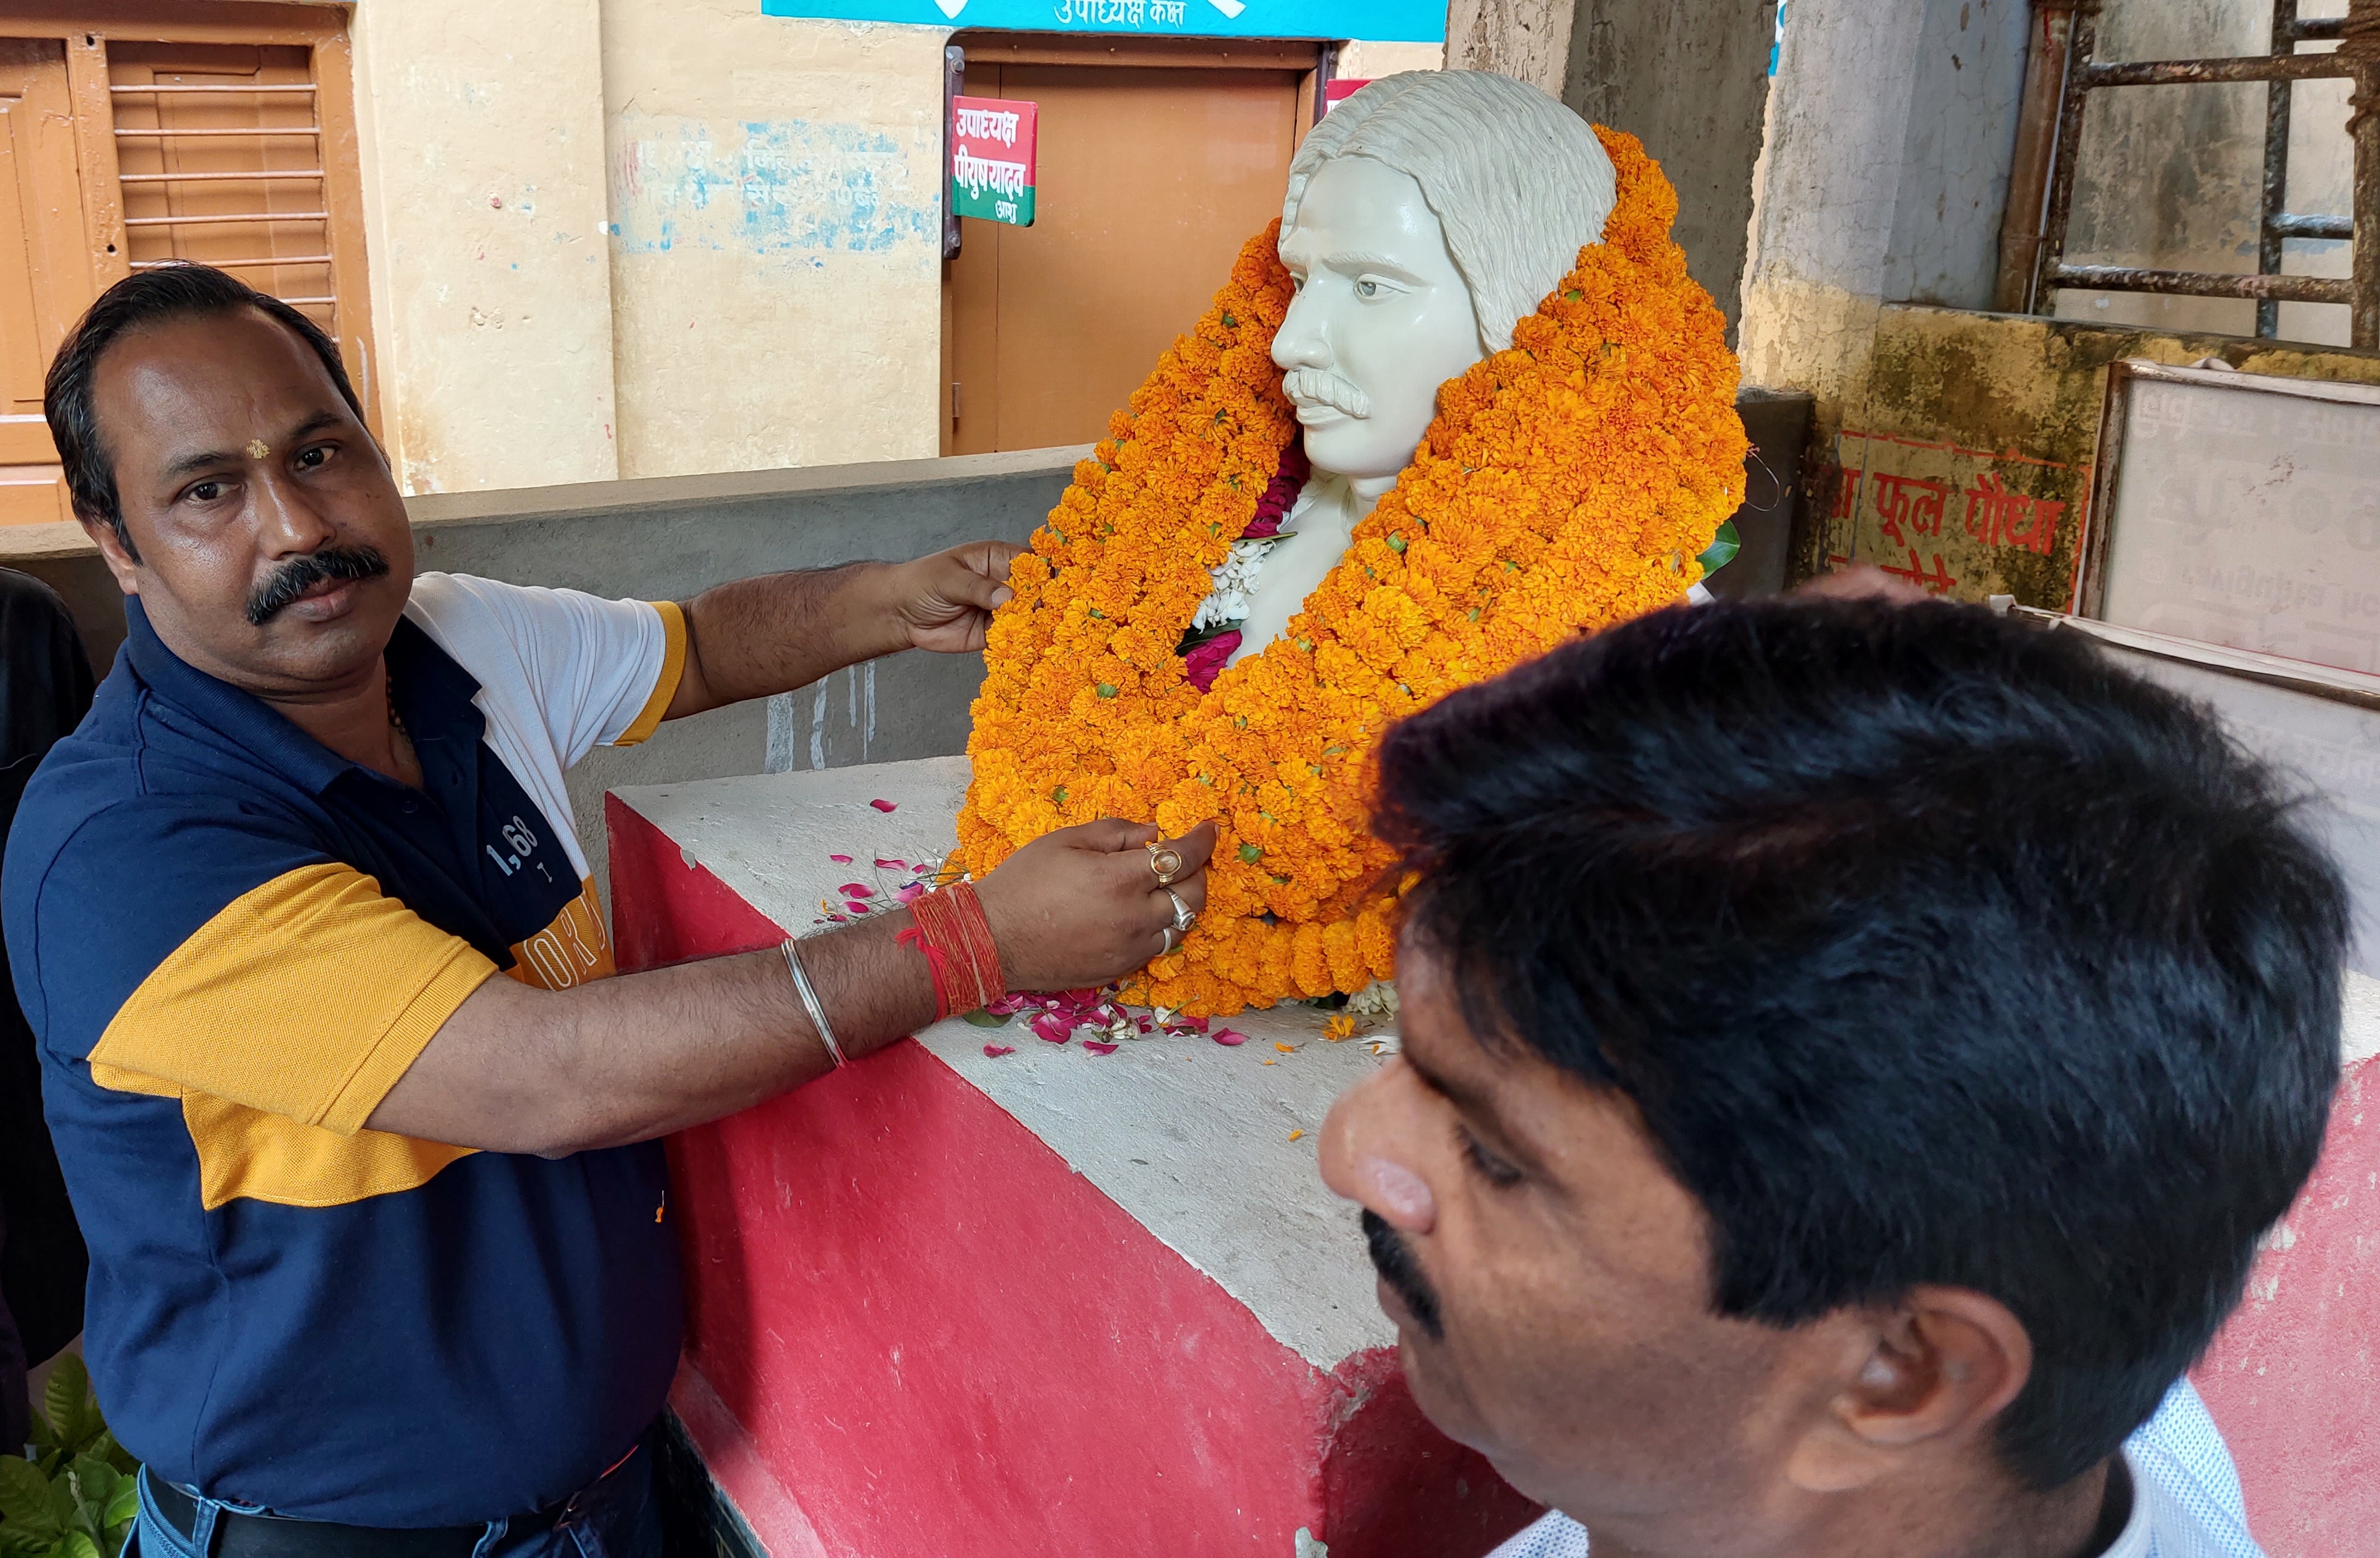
(1386,21)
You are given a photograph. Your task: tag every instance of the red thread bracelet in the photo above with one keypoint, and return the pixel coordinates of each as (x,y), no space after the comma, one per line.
(950,932)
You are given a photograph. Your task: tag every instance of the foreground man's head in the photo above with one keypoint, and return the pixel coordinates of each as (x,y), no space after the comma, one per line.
(218,457)
(1849,1053)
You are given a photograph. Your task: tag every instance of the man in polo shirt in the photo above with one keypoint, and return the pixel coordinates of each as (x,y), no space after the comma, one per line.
(381,1254)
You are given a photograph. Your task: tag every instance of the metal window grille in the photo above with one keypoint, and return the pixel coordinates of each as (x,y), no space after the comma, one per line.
(2357,59)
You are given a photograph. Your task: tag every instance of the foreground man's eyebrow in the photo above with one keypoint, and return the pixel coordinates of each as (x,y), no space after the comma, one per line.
(1478,1108)
(189,464)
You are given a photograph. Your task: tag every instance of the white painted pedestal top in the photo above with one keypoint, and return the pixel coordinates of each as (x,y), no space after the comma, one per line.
(1189,1136)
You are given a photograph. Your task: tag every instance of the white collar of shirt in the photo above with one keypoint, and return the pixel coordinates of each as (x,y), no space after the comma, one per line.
(2158,1526)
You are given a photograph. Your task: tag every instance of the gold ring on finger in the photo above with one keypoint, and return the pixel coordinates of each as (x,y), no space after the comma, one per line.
(1166,862)
(1185,916)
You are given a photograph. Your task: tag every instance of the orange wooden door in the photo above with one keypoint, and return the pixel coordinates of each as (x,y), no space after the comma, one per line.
(45,271)
(1150,179)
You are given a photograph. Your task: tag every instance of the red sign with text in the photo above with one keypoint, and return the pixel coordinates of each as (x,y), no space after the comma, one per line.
(991,159)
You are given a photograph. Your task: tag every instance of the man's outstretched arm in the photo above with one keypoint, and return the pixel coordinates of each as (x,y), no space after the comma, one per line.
(517,1069)
(759,636)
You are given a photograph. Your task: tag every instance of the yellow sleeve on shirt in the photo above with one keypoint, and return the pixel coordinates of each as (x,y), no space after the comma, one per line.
(649,719)
(306,998)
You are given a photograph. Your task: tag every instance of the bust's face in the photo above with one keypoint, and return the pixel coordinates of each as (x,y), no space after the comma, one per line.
(1381,318)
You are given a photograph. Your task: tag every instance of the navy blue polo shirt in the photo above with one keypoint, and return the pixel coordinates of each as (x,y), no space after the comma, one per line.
(231,943)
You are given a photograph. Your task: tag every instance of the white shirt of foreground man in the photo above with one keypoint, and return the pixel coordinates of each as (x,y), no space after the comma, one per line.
(1425,218)
(2186,1499)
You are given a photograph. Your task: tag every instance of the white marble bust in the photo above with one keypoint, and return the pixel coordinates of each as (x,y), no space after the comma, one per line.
(1427,215)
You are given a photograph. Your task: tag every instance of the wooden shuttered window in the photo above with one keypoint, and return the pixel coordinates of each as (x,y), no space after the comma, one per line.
(153,134)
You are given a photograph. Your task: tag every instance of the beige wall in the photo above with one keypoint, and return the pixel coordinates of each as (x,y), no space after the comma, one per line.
(776,203)
(482,139)
(1361,61)
(656,238)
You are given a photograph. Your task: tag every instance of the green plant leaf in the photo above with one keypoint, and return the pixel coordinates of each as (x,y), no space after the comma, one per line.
(107,1449)
(1723,548)
(123,1505)
(94,1485)
(983,1019)
(78,1545)
(73,1414)
(24,1498)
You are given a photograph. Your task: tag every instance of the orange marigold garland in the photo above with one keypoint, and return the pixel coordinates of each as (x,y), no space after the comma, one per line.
(1568,483)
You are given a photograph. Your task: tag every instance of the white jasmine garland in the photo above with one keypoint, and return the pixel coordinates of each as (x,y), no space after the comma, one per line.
(1234,578)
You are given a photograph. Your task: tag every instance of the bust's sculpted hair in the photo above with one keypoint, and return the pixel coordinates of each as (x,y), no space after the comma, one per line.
(1519,183)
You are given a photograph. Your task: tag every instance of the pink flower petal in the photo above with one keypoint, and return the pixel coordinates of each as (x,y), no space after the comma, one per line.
(996,1051)
(885,805)
(856,890)
(1204,664)
(1227,1036)
(1099,1049)
(855,905)
(1055,1028)
(910,893)
(1189,1025)
(839,859)
(891,865)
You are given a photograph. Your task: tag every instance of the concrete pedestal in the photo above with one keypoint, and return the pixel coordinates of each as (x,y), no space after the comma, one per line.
(1050,1302)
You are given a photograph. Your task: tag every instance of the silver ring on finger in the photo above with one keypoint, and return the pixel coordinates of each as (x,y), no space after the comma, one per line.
(1168,933)
(1185,916)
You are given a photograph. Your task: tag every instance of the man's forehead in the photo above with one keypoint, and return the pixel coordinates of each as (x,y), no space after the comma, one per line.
(213,369)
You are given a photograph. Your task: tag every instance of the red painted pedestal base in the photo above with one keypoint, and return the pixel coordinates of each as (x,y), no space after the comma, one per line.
(914,1330)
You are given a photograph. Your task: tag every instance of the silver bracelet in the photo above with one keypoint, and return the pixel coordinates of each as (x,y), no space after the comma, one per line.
(810,1004)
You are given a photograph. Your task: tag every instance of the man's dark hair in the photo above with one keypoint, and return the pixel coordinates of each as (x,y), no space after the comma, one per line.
(1933,947)
(141,300)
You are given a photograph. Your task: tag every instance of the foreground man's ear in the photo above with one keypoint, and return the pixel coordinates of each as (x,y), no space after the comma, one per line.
(119,558)
(1926,1374)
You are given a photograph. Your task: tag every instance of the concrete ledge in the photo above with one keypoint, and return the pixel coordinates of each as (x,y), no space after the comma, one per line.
(665,494)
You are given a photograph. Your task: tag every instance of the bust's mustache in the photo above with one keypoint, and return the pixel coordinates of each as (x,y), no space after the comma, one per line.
(1319,387)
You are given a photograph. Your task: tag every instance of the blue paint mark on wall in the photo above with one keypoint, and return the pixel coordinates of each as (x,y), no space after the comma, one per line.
(779,187)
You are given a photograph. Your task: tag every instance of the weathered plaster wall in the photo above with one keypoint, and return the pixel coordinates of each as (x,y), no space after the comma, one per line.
(1527,40)
(481,140)
(1891,131)
(1954,166)
(1839,112)
(1952,446)
(776,200)
(1988,408)
(1692,82)
(2169,177)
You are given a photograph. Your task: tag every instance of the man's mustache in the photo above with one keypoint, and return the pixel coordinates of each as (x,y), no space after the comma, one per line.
(1319,387)
(298,575)
(1394,1259)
